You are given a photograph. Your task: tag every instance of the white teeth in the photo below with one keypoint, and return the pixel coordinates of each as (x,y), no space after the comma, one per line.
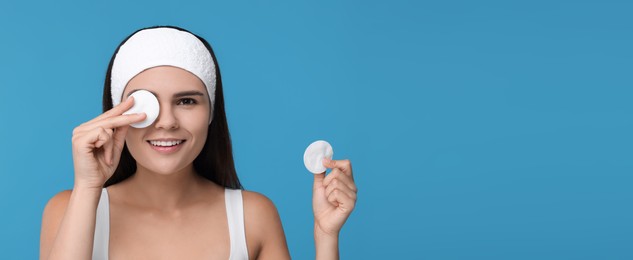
(165,143)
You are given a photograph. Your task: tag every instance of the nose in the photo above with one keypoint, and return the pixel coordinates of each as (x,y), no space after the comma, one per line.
(166,118)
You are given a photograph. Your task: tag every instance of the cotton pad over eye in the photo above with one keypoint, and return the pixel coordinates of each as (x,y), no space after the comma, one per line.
(144,102)
(314,154)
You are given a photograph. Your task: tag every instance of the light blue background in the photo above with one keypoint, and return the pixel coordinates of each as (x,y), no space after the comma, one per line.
(477,129)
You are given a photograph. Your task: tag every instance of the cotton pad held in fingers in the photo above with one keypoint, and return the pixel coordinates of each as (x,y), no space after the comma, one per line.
(144,102)
(314,154)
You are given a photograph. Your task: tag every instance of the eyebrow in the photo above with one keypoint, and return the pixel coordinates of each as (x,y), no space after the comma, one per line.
(188,93)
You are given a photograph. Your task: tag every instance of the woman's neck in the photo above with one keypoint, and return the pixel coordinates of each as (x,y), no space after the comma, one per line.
(165,191)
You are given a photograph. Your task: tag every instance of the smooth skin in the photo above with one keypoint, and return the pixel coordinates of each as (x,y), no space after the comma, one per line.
(165,210)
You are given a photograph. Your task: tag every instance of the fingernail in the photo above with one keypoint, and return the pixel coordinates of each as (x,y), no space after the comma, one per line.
(326,160)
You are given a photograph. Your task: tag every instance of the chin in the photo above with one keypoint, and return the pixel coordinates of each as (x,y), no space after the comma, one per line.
(165,167)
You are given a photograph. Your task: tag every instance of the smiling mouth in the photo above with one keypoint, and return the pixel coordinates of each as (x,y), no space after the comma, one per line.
(166,143)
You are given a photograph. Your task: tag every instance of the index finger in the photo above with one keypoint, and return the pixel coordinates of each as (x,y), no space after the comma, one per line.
(122,120)
(117,110)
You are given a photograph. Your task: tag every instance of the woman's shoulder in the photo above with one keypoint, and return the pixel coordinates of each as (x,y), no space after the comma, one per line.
(56,206)
(259,210)
(256,202)
(58,202)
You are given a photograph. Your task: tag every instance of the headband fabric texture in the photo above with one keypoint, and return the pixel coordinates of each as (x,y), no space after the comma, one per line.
(162,47)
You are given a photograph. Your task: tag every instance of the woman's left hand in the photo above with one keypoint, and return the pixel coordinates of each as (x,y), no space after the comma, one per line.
(333,197)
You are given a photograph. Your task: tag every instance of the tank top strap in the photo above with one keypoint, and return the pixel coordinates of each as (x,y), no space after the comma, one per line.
(102,228)
(235,216)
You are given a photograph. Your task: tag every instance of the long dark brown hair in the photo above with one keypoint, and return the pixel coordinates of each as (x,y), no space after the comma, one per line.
(215,161)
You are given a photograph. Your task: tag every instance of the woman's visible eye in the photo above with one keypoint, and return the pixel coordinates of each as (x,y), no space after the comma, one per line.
(187,101)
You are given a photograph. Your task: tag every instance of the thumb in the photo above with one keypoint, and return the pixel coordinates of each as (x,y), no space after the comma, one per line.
(318,178)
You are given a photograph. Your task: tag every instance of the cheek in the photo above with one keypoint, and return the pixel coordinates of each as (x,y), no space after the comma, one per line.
(199,129)
(133,141)
(196,122)
(133,135)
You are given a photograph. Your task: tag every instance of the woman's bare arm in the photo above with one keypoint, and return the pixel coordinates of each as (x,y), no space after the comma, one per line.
(68,222)
(68,225)
(51,219)
(333,200)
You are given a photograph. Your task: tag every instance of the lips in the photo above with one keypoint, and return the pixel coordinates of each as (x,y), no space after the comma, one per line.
(166,145)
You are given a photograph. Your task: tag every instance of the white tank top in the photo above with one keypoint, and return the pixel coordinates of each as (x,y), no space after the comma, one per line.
(234,214)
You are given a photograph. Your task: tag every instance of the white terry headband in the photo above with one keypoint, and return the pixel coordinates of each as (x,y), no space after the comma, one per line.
(162,47)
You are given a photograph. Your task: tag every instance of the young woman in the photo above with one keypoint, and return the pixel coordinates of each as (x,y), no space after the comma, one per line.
(170,190)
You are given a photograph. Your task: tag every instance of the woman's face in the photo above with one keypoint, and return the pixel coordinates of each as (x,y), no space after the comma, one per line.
(178,135)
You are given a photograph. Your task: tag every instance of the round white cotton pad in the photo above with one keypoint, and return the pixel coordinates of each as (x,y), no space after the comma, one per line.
(314,154)
(144,102)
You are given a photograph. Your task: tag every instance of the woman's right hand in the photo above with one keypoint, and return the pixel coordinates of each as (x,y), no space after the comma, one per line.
(97,145)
